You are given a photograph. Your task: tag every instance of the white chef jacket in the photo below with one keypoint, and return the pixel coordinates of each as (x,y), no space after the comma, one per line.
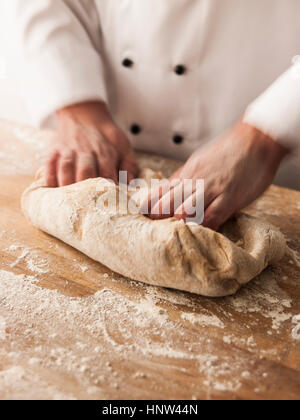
(174,73)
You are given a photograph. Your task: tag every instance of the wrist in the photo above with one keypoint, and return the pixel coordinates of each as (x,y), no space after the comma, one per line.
(271,150)
(93,114)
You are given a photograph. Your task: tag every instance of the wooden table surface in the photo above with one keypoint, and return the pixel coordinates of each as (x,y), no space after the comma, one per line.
(71,329)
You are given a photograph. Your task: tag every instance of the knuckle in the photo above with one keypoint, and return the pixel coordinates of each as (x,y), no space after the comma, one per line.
(85,154)
(215,219)
(52,158)
(50,175)
(66,164)
(108,174)
(86,172)
(131,164)
(82,172)
(107,164)
(67,158)
(112,132)
(104,164)
(209,218)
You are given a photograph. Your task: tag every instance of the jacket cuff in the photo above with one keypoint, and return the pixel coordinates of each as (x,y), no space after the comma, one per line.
(60,77)
(277,111)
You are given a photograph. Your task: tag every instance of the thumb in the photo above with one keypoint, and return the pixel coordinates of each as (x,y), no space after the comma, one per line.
(177,175)
(130,165)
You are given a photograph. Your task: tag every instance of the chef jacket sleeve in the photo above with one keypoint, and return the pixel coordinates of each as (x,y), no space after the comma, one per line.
(60,61)
(277,111)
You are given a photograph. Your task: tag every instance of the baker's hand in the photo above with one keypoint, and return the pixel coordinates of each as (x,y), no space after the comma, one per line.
(88,145)
(237,168)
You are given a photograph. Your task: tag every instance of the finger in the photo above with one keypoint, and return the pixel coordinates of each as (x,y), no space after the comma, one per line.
(50,171)
(164,208)
(219,211)
(177,174)
(192,210)
(212,189)
(130,166)
(152,202)
(172,198)
(155,193)
(107,167)
(66,170)
(85,167)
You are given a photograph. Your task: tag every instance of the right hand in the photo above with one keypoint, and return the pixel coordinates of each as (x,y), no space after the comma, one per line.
(88,145)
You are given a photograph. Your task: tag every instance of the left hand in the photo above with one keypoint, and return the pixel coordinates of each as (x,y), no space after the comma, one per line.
(237,169)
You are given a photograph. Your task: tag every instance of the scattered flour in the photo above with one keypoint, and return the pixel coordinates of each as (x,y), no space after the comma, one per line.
(12,375)
(15,380)
(139,375)
(2,329)
(79,338)
(84,268)
(266,298)
(246,375)
(295,258)
(33,262)
(24,254)
(37,265)
(203,320)
(73,336)
(20,141)
(296,330)
(227,340)
(249,342)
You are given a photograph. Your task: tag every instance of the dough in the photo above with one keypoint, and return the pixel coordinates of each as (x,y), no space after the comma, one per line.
(166,253)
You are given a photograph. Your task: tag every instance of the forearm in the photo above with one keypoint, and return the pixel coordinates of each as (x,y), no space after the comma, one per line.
(272,152)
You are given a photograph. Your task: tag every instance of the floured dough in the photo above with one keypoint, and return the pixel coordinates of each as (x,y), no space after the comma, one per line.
(166,253)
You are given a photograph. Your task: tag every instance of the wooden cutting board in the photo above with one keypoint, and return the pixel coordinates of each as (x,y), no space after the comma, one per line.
(72,329)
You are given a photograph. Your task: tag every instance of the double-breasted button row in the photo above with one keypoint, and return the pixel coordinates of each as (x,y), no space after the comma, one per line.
(136,129)
(180,69)
(178,139)
(127,63)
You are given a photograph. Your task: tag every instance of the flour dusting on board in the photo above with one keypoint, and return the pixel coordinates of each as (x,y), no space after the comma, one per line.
(204,320)
(294,257)
(266,298)
(31,258)
(19,141)
(296,329)
(2,328)
(133,327)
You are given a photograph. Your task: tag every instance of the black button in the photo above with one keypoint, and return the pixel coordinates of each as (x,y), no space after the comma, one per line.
(127,62)
(180,70)
(135,129)
(178,139)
